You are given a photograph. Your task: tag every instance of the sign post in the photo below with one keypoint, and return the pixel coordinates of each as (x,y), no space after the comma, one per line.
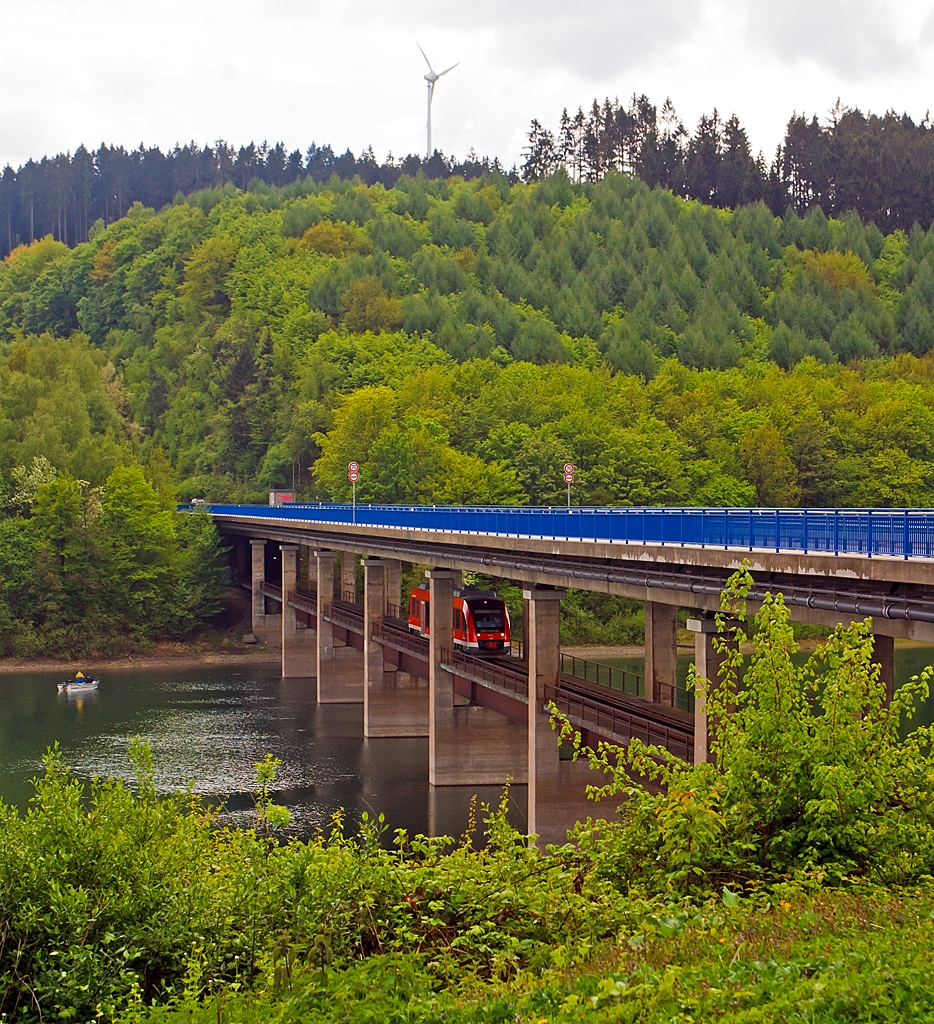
(353,475)
(569,478)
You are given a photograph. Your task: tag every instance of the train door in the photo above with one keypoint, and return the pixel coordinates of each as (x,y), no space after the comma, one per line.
(425,607)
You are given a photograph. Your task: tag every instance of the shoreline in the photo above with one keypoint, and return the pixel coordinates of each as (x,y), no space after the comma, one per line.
(182,659)
(266,655)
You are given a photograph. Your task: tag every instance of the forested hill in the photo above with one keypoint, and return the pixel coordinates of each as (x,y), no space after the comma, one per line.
(881,168)
(463,339)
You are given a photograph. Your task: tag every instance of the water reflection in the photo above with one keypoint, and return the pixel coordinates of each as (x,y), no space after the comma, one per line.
(208,726)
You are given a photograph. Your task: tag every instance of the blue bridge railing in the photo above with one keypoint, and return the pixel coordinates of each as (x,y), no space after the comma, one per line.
(898,533)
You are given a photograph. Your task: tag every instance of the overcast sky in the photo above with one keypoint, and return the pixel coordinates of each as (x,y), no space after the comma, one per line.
(350,74)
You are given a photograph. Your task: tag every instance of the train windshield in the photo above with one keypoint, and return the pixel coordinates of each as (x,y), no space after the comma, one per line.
(488,615)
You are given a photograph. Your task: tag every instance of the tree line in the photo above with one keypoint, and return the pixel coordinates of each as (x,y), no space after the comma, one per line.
(64,195)
(880,167)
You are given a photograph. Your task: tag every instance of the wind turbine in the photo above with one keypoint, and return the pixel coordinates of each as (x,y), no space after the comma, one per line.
(431,78)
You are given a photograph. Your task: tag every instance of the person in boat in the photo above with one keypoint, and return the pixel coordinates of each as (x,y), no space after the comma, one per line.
(79,678)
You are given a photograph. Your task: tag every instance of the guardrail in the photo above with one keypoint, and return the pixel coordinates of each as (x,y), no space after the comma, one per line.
(303,602)
(606,675)
(271,590)
(901,533)
(486,672)
(346,617)
(401,640)
(623,726)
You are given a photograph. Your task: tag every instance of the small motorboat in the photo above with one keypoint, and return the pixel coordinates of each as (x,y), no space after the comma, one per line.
(78,685)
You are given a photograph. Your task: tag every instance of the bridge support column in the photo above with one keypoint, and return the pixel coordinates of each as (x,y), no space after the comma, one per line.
(468,745)
(661,652)
(707,663)
(339,667)
(883,655)
(258,578)
(395,703)
(393,584)
(298,654)
(347,581)
(557,789)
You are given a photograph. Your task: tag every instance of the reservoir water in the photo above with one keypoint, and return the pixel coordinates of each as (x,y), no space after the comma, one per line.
(208,726)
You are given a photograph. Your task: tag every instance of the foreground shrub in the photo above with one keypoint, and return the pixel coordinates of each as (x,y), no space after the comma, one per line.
(816,776)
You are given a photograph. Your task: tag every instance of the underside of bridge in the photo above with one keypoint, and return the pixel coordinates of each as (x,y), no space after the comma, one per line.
(487,719)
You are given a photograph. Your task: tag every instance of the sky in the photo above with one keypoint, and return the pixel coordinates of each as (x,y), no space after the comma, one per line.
(349,72)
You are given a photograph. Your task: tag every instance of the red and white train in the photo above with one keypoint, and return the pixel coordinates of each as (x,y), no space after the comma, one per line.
(481,621)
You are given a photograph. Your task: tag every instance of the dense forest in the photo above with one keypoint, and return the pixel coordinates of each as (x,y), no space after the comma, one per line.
(880,167)
(462,340)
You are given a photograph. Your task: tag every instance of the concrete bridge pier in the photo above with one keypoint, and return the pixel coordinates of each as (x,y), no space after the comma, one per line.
(468,745)
(557,788)
(661,652)
(339,667)
(299,652)
(392,583)
(395,702)
(265,625)
(707,663)
(883,655)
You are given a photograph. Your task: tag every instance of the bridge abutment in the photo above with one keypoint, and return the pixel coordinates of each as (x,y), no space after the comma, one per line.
(468,745)
(707,663)
(557,791)
(339,666)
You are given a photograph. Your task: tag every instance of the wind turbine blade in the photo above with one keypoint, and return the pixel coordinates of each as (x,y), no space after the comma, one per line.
(451,68)
(427,61)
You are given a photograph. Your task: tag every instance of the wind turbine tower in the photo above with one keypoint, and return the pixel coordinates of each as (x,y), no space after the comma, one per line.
(431,78)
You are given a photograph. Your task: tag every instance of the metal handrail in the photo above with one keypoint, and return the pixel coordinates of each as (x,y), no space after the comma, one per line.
(303,602)
(346,617)
(619,724)
(606,675)
(482,671)
(271,590)
(401,640)
(897,533)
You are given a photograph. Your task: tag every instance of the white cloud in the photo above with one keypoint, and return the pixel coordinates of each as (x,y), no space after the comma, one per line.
(350,73)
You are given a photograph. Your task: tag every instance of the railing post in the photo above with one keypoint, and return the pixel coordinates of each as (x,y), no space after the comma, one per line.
(869,532)
(750,529)
(905,540)
(778,531)
(805,531)
(836,532)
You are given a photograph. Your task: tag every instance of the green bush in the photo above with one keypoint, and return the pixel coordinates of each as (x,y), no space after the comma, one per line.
(812,777)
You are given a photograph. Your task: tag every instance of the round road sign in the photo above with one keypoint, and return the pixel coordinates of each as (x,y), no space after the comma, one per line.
(353,467)
(353,477)
(569,478)
(569,467)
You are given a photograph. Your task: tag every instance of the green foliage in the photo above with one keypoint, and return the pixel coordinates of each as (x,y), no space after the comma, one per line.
(813,779)
(119,903)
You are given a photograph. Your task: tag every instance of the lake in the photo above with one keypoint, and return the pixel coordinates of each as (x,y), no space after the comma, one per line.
(209,725)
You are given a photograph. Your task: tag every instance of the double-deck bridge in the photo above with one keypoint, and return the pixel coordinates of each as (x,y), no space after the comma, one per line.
(485,717)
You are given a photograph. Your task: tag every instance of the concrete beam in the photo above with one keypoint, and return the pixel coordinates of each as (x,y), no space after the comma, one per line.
(480,552)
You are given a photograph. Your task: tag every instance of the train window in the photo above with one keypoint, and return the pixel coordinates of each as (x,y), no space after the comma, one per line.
(487,614)
(413,608)
(458,620)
